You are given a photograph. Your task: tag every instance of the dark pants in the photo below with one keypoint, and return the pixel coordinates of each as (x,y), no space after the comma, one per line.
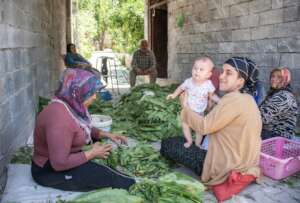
(192,157)
(87,177)
(265,134)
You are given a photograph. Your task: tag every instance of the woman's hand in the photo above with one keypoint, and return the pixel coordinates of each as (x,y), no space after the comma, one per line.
(118,139)
(98,151)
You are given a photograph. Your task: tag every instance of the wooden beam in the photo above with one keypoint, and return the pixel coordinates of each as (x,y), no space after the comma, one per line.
(158,4)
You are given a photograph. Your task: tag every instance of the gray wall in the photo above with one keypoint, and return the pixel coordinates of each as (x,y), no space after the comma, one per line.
(267,31)
(32,38)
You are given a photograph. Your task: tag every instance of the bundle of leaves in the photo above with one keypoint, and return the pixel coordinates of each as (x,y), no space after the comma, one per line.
(107,195)
(171,188)
(144,114)
(142,161)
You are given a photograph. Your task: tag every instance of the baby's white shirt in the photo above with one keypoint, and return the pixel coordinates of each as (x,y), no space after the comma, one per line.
(197,94)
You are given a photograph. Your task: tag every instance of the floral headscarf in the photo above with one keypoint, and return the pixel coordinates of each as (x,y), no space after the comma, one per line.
(76,86)
(286,77)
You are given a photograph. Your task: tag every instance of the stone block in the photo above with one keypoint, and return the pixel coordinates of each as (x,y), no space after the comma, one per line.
(18,104)
(289,45)
(183,58)
(199,27)
(222,36)
(291,3)
(241,35)
(260,6)
(277,4)
(219,13)
(239,9)
(262,32)
(295,76)
(6,87)
(215,25)
(4,36)
(4,115)
(248,21)
(290,60)
(289,29)
(266,60)
(211,47)
(271,17)
(219,59)
(231,23)
(241,47)
(291,14)
(226,47)
(214,4)
(6,138)
(264,46)
(3,64)
(20,79)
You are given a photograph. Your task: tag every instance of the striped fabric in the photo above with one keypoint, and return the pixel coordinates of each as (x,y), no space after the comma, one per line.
(279,113)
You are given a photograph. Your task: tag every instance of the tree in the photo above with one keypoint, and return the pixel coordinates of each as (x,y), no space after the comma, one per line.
(121,21)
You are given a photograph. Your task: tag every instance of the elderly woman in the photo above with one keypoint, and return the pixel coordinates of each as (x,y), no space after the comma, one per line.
(62,129)
(279,109)
(75,60)
(234,126)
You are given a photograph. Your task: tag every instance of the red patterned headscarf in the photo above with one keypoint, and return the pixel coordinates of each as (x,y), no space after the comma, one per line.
(286,77)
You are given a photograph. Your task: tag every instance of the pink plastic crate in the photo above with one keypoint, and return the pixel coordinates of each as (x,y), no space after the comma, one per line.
(280,157)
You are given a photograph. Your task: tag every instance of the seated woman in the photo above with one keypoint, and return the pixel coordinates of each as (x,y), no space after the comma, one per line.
(279,109)
(62,129)
(234,125)
(75,60)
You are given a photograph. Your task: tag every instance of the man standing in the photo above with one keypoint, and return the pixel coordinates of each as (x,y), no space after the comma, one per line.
(143,63)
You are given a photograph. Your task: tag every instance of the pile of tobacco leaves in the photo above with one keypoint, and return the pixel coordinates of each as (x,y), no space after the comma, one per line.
(144,113)
(170,188)
(141,160)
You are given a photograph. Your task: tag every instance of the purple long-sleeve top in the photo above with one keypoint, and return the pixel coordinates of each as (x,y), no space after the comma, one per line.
(59,139)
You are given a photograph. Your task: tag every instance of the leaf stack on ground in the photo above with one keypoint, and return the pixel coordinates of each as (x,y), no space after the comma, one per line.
(143,114)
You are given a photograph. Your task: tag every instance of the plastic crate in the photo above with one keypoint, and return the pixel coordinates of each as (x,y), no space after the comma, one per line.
(280,157)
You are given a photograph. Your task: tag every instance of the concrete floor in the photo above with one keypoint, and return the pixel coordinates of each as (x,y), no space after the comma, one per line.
(21,188)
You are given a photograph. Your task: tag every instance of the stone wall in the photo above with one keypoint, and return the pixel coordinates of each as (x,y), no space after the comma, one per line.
(267,31)
(32,38)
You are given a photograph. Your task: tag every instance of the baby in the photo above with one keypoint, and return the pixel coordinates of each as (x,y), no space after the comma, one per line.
(200,92)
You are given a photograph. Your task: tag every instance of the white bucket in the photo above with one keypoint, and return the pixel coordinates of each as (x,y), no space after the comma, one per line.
(102,122)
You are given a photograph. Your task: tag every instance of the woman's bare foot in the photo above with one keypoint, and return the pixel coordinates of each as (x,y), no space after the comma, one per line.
(187,144)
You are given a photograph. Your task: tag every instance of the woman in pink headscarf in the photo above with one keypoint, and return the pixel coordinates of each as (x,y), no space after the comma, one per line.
(279,109)
(62,129)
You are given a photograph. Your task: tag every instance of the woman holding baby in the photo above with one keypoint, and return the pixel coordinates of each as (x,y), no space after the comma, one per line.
(233,125)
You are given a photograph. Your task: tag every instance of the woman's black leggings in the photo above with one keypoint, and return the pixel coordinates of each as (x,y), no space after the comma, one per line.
(265,134)
(192,157)
(87,177)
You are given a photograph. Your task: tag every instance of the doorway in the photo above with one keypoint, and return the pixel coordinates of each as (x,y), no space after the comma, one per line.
(159,36)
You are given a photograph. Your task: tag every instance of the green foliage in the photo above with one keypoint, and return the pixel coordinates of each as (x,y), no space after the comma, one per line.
(120,20)
(144,114)
(180,20)
(107,195)
(142,161)
(171,188)
(22,156)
